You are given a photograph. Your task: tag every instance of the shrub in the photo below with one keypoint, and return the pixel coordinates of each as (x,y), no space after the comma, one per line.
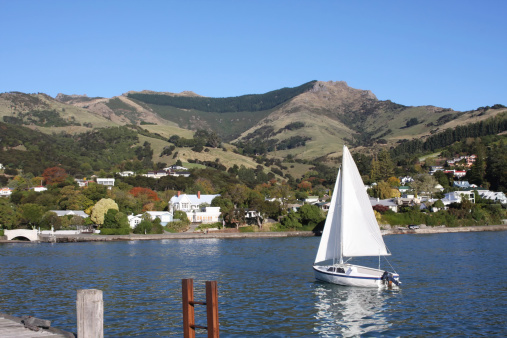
(117,231)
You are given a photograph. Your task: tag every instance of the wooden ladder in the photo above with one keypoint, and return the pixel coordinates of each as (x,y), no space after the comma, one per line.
(189,326)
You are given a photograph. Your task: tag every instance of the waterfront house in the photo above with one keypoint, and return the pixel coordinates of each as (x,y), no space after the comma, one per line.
(457,197)
(164,216)
(197,207)
(494,196)
(390,203)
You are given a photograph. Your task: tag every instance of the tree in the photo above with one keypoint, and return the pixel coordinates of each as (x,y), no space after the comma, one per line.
(144,227)
(54,175)
(101,208)
(8,214)
(31,214)
(311,215)
(291,221)
(95,192)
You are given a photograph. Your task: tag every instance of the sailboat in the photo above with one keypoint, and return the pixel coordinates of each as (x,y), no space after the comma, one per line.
(351,230)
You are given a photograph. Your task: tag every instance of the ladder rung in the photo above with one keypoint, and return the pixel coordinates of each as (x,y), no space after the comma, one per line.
(193,303)
(198,327)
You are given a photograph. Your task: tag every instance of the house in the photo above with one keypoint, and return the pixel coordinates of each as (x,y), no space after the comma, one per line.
(312,199)
(323,205)
(494,196)
(457,197)
(406,179)
(1,166)
(5,192)
(126,173)
(39,189)
(109,182)
(435,168)
(390,203)
(157,174)
(180,173)
(403,189)
(83,182)
(186,202)
(204,215)
(164,216)
(461,184)
(192,205)
(61,213)
(456,173)
(175,167)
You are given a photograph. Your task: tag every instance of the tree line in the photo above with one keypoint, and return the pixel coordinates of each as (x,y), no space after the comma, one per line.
(255,102)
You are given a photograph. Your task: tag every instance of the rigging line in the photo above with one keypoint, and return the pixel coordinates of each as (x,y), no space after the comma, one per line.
(390,264)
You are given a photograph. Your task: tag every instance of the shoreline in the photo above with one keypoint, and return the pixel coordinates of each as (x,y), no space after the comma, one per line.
(218,234)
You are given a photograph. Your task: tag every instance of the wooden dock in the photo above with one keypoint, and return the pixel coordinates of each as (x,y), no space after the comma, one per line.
(12,327)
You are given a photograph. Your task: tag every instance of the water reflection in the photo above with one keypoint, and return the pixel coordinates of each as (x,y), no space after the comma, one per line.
(348,311)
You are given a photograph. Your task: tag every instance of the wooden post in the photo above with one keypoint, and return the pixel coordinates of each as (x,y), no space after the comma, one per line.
(187,290)
(212,309)
(90,314)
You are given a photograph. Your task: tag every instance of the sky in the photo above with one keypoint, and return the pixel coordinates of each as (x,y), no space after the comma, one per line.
(450,54)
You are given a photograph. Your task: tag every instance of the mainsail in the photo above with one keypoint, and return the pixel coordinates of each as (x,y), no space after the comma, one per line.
(351,228)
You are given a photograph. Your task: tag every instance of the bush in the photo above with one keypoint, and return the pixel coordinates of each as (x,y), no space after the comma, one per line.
(118,231)
(247,229)
(174,227)
(1,232)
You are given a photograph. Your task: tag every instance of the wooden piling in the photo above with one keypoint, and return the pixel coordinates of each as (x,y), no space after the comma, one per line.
(90,314)
(187,290)
(212,309)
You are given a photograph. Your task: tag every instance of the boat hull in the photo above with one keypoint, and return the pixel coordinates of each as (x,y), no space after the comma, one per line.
(352,275)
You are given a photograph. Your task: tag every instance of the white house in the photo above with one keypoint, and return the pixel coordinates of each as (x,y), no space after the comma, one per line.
(156,174)
(164,216)
(39,189)
(494,196)
(191,204)
(204,215)
(106,181)
(457,197)
(79,213)
(5,192)
(126,173)
(312,199)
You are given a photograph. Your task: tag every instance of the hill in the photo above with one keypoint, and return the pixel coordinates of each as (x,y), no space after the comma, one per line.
(305,123)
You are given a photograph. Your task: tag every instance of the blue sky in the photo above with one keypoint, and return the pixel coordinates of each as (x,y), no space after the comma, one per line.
(450,54)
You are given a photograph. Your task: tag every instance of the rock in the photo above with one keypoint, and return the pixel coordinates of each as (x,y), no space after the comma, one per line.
(37,322)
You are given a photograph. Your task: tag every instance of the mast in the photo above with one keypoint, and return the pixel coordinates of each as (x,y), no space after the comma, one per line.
(342,195)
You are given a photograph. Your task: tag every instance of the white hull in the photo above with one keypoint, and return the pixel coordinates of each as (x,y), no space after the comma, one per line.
(352,275)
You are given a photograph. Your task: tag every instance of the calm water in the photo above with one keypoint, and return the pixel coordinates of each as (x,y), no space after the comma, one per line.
(453,285)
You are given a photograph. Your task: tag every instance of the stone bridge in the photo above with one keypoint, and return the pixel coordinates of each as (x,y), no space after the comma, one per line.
(31,235)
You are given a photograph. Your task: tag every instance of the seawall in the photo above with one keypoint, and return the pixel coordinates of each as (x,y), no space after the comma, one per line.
(218,234)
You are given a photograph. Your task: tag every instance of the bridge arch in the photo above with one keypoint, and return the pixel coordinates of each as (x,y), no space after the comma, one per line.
(31,235)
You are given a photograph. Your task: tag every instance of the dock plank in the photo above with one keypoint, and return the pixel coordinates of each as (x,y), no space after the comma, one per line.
(13,329)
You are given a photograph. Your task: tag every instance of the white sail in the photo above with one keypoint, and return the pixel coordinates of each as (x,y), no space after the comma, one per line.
(360,231)
(329,247)
(351,228)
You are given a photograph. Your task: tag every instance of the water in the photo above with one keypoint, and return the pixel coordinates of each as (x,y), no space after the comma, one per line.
(453,285)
